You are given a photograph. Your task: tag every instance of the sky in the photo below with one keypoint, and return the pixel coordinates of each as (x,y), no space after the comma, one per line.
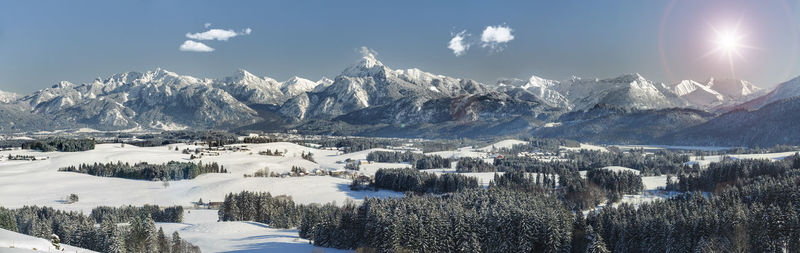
(43,42)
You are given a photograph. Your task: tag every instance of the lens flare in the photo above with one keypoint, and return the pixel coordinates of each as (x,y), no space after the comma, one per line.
(728,42)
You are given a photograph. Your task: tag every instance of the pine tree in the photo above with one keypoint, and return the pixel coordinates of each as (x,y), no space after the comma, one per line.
(596,243)
(177,243)
(163,242)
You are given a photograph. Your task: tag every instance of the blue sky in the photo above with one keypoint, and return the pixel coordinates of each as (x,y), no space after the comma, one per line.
(42,42)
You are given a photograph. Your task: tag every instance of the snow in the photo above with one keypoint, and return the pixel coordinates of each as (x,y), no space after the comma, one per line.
(703,161)
(655,147)
(39,182)
(655,182)
(620,169)
(16,242)
(502,144)
(200,227)
(584,146)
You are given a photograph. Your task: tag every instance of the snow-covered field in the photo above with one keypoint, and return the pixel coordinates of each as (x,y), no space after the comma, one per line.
(200,227)
(655,147)
(39,183)
(586,147)
(16,242)
(703,161)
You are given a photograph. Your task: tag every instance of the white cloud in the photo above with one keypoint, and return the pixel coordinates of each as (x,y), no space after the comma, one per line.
(207,25)
(458,43)
(194,46)
(495,37)
(217,34)
(365,51)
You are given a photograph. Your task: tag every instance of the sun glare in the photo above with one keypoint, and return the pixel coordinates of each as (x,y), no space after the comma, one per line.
(728,42)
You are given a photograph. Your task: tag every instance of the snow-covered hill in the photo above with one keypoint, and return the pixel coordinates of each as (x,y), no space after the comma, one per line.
(16,242)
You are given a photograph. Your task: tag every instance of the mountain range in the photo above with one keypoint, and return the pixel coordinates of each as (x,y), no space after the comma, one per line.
(369,98)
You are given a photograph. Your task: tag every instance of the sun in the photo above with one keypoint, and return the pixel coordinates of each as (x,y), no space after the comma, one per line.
(729,42)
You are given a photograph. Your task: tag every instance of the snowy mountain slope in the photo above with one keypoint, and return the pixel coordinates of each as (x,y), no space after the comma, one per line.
(699,95)
(371,83)
(630,90)
(251,89)
(538,87)
(733,88)
(785,90)
(772,124)
(296,86)
(155,99)
(7,97)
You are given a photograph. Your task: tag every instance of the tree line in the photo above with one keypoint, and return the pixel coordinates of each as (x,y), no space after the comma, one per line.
(126,213)
(79,230)
(172,170)
(495,220)
(417,160)
(60,144)
(616,183)
(416,181)
(731,172)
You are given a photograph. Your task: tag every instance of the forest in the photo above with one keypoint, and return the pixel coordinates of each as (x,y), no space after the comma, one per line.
(417,160)
(60,144)
(752,208)
(416,181)
(79,230)
(144,171)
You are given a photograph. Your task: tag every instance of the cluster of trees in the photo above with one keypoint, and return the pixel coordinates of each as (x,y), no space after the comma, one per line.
(662,161)
(658,163)
(416,181)
(169,171)
(543,145)
(573,190)
(308,156)
(760,217)
(127,213)
(616,183)
(419,161)
(60,144)
(731,172)
(271,153)
(470,164)
(262,139)
(278,212)
(467,221)
(355,144)
(82,231)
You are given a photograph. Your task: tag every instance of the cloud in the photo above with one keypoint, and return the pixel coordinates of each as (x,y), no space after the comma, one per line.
(495,37)
(194,46)
(365,51)
(217,34)
(207,25)
(458,43)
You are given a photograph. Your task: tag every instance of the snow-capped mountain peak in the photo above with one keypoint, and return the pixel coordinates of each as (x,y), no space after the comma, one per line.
(734,88)
(297,85)
(7,97)
(368,65)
